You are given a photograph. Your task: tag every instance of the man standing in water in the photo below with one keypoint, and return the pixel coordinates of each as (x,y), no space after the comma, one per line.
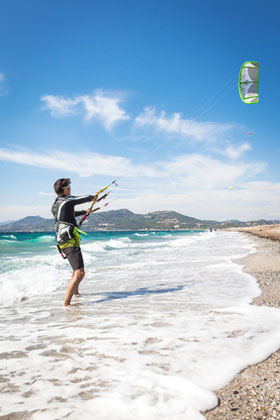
(67,232)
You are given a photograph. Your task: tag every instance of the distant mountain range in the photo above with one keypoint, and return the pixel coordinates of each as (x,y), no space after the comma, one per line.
(7,221)
(124,219)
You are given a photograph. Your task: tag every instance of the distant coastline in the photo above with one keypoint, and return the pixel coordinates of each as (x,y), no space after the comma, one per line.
(125,220)
(263,231)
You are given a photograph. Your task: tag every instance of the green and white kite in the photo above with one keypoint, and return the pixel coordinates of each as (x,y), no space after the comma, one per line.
(249,82)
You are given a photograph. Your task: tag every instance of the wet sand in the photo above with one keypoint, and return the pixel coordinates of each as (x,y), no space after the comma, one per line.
(254,394)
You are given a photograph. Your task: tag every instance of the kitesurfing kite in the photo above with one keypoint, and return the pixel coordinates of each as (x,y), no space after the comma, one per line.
(249,82)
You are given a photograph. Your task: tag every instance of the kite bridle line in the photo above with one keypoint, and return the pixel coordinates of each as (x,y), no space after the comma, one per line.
(210,103)
(156,149)
(96,200)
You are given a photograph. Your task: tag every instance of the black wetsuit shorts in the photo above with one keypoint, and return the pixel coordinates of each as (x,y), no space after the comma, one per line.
(74,256)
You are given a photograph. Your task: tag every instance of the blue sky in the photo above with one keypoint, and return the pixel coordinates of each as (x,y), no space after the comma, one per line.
(145,92)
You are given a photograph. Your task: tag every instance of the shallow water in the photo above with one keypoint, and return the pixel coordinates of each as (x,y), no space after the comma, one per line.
(164,319)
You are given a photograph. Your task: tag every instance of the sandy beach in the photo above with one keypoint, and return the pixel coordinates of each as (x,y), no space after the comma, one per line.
(254,394)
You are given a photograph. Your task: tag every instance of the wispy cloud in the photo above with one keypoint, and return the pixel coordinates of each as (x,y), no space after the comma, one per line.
(176,125)
(103,106)
(45,194)
(243,202)
(3,86)
(202,171)
(17,211)
(236,152)
(186,171)
(88,163)
(248,201)
(193,184)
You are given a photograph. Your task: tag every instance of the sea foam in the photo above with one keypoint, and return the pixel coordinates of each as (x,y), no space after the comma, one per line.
(153,334)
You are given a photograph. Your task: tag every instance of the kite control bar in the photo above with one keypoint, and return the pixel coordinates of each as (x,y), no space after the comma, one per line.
(96,199)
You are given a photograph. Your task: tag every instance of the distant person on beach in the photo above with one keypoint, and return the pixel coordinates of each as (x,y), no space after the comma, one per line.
(68,233)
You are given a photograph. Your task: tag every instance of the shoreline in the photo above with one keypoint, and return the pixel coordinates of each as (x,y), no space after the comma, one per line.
(254,393)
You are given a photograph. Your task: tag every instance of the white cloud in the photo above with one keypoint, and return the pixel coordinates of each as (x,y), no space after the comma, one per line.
(236,152)
(2,77)
(197,131)
(59,106)
(102,106)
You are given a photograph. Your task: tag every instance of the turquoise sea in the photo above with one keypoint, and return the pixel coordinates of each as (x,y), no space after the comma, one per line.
(164,319)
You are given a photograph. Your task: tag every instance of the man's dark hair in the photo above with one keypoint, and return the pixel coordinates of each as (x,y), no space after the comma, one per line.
(60,184)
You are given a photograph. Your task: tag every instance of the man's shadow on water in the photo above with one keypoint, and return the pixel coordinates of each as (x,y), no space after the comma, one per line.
(143,291)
